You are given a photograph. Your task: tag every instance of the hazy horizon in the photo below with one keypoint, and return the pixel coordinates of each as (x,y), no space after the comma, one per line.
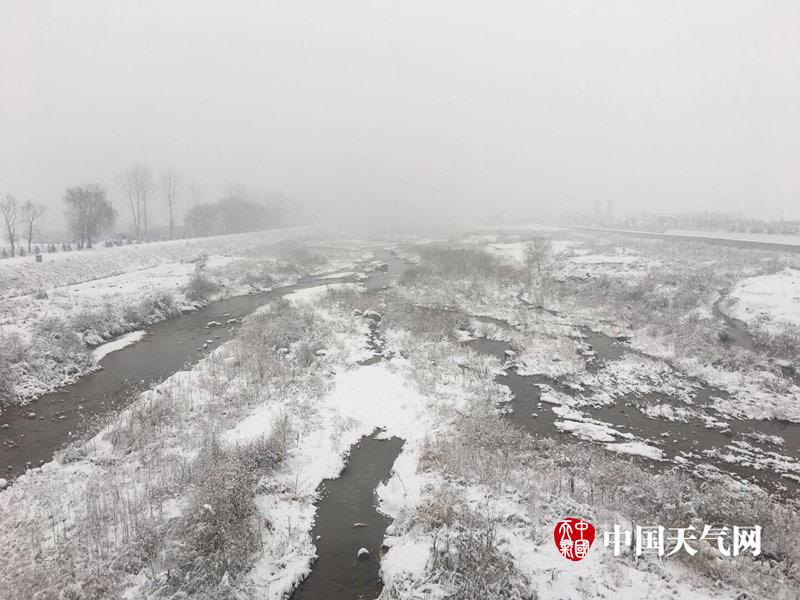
(410,112)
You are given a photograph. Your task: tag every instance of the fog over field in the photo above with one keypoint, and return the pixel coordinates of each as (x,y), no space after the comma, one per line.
(414,111)
(370,300)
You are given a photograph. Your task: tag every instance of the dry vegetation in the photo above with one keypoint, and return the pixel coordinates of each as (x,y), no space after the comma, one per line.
(160,493)
(486,450)
(679,280)
(57,349)
(163,494)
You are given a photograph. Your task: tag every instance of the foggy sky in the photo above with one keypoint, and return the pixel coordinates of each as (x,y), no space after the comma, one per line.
(407,109)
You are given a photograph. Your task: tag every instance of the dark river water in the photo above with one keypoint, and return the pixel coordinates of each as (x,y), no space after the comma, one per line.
(347,518)
(348,521)
(689,442)
(169,346)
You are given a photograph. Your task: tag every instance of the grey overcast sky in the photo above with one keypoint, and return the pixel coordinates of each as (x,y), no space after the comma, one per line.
(411,109)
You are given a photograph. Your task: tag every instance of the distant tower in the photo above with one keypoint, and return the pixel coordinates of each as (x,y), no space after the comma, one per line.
(609,209)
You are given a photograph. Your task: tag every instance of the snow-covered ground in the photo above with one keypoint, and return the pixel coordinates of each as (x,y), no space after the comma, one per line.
(23,275)
(759,238)
(765,238)
(355,400)
(121,342)
(772,300)
(460,465)
(84,298)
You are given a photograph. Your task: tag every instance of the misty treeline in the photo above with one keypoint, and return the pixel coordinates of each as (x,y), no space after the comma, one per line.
(238,211)
(19,222)
(152,202)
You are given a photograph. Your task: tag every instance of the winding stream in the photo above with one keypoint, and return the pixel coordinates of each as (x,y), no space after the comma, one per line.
(347,520)
(735,330)
(690,443)
(169,346)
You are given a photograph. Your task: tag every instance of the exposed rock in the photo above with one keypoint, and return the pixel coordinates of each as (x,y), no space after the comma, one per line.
(372,315)
(359,525)
(3,484)
(213,324)
(363,554)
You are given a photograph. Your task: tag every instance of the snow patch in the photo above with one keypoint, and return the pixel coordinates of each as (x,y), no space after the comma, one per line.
(121,342)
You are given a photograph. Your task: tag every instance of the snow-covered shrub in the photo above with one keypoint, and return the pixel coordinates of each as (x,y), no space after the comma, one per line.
(200,287)
(349,299)
(142,422)
(468,563)
(297,257)
(782,343)
(455,262)
(7,392)
(159,305)
(483,448)
(782,541)
(93,321)
(439,509)
(150,309)
(12,347)
(281,326)
(259,276)
(13,354)
(221,532)
(428,323)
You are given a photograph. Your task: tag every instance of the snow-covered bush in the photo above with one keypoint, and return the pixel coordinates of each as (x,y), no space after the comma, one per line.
(428,323)
(297,257)
(200,287)
(468,563)
(782,343)
(7,392)
(484,447)
(454,262)
(220,529)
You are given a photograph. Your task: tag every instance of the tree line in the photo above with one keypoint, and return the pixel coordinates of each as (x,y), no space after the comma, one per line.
(19,219)
(89,212)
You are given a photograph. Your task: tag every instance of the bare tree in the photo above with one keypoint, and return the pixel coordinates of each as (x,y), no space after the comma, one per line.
(88,211)
(537,254)
(31,211)
(196,194)
(537,267)
(10,212)
(171,188)
(137,183)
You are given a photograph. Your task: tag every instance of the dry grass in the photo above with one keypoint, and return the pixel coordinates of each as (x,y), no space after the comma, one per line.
(200,287)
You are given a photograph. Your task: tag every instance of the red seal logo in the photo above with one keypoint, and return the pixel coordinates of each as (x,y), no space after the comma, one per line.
(573,537)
